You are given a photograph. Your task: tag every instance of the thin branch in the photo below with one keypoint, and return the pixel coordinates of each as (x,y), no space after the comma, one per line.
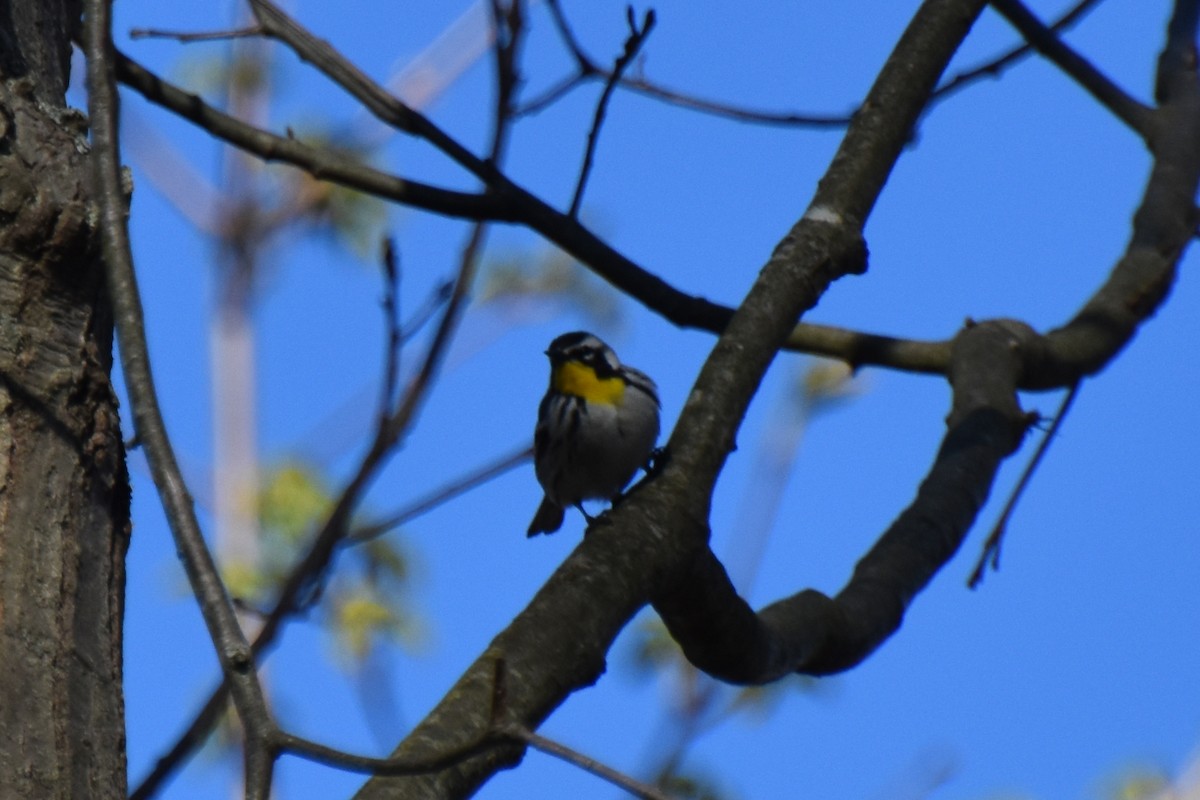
(233,652)
(352,762)
(1129,110)
(991,548)
(393,333)
(508,27)
(421,317)
(736,113)
(186,37)
(322,163)
(424,505)
(585,64)
(278,25)
(551,95)
(997,65)
(588,764)
(515,205)
(408,765)
(637,37)
(587,70)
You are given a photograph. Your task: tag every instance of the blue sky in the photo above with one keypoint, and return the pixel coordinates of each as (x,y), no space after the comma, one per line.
(1078,660)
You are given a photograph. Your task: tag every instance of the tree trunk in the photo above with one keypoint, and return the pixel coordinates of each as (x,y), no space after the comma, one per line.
(64,495)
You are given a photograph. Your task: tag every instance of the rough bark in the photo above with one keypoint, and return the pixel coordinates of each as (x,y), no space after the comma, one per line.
(64,496)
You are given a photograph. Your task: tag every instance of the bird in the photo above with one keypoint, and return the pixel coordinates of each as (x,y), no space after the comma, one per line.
(597,423)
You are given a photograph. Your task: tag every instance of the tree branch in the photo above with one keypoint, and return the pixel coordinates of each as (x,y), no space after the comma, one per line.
(276,24)
(445,494)
(587,69)
(633,43)
(999,64)
(508,202)
(991,546)
(816,634)
(586,763)
(340,759)
(1098,85)
(233,652)
(558,643)
(321,163)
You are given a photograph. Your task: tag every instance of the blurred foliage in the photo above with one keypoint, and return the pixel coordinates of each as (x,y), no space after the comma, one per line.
(363,617)
(366,602)
(1141,783)
(694,786)
(352,219)
(217,73)
(292,498)
(825,384)
(355,220)
(550,273)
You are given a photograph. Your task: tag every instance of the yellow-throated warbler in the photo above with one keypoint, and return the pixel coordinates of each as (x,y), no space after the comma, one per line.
(596,425)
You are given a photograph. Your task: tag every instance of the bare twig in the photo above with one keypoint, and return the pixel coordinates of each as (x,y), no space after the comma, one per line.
(507,26)
(321,163)
(586,70)
(991,548)
(437,298)
(586,763)
(233,652)
(195,36)
(445,494)
(1133,113)
(501,723)
(637,37)
(375,98)
(394,335)
(497,731)
(997,65)
(352,762)
(586,65)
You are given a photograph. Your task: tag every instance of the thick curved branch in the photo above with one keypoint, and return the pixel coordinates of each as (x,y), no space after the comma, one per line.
(814,634)
(1163,226)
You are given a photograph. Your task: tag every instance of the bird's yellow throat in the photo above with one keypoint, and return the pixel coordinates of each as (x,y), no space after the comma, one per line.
(572,377)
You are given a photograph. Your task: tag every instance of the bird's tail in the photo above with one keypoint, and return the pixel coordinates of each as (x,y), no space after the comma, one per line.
(548,519)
